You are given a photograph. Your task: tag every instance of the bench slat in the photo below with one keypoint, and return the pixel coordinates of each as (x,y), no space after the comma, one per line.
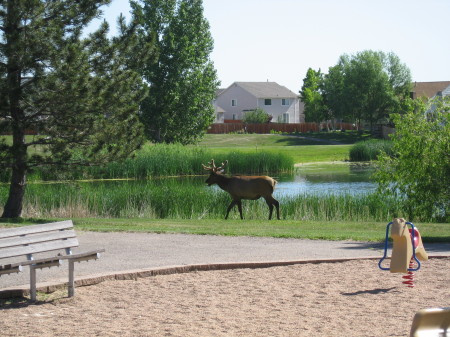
(35,238)
(32,229)
(38,248)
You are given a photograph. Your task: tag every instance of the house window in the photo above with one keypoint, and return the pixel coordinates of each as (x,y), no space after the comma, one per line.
(233,102)
(285,101)
(234,117)
(267,101)
(285,118)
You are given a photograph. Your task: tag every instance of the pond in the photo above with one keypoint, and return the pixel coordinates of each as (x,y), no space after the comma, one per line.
(316,179)
(190,197)
(333,178)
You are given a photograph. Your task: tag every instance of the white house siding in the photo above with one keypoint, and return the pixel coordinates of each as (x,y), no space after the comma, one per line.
(251,95)
(244,101)
(277,110)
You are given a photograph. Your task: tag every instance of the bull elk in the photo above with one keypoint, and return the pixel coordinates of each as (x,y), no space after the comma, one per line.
(243,187)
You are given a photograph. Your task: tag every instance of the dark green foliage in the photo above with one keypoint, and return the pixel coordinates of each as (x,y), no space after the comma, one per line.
(419,174)
(311,95)
(370,150)
(182,78)
(80,95)
(367,86)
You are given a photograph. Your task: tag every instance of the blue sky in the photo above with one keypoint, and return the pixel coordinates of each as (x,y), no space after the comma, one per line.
(278,40)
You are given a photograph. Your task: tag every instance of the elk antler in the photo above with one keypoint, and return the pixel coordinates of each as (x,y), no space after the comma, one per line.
(221,169)
(212,166)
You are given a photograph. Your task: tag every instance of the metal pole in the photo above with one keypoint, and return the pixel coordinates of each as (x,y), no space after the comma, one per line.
(71,278)
(33,283)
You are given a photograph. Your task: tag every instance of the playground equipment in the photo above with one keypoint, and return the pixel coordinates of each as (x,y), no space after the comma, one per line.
(431,322)
(407,249)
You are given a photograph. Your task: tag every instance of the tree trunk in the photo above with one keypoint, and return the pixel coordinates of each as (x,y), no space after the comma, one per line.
(13,207)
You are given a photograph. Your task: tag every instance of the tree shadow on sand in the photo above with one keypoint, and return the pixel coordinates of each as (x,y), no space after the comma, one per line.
(372,292)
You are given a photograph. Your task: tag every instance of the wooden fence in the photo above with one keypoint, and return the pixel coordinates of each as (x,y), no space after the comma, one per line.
(268,127)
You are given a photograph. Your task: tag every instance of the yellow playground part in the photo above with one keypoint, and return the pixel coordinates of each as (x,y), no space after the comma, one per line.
(402,248)
(431,322)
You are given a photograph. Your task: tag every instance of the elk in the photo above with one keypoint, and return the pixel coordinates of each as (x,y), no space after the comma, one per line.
(243,187)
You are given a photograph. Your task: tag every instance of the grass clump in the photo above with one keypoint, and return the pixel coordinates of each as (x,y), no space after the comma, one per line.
(176,198)
(370,150)
(172,160)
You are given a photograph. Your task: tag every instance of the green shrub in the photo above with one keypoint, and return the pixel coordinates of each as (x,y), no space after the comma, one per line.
(257,116)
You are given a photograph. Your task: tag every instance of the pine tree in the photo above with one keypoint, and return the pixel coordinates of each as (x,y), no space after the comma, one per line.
(79,94)
(182,79)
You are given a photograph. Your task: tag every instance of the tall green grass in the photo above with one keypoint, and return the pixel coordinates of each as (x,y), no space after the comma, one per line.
(175,198)
(171,160)
(370,150)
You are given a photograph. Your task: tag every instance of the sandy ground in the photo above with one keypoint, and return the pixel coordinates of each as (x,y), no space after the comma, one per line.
(352,298)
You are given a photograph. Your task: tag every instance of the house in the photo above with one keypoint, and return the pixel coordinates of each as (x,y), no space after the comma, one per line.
(429,90)
(282,104)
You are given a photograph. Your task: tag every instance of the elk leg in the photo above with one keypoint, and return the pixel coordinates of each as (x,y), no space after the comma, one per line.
(239,203)
(271,202)
(230,207)
(277,205)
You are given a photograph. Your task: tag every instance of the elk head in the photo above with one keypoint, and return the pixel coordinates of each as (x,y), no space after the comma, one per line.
(214,171)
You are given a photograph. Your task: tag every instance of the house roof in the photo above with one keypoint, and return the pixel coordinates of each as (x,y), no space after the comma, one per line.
(219,91)
(266,89)
(428,89)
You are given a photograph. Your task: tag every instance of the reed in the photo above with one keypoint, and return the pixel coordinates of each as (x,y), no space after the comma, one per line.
(370,150)
(172,198)
(172,160)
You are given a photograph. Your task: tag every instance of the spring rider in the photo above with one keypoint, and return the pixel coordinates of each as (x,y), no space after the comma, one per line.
(407,250)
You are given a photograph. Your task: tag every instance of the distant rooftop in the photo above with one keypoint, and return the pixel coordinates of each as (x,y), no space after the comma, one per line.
(428,89)
(265,89)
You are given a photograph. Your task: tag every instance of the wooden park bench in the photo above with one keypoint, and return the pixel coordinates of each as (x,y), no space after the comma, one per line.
(43,246)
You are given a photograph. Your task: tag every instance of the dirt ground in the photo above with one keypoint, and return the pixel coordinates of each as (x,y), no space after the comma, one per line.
(352,298)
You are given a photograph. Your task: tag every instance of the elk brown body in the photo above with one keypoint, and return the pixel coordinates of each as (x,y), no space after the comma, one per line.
(243,187)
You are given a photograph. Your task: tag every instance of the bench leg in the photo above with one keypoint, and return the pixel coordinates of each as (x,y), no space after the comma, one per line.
(71,285)
(33,283)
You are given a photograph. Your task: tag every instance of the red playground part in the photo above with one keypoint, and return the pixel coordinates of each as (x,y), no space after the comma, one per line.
(409,277)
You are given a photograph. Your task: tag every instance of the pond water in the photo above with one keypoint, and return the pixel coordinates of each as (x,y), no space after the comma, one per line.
(336,178)
(316,179)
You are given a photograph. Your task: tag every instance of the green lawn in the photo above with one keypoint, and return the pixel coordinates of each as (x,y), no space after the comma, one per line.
(305,148)
(358,231)
(300,149)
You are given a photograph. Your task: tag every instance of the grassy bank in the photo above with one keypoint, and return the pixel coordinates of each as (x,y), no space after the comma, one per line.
(329,230)
(174,198)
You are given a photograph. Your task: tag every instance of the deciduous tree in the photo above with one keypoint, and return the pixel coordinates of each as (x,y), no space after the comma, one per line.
(182,79)
(374,85)
(420,170)
(311,96)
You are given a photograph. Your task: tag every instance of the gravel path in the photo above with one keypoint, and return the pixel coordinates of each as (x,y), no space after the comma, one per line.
(134,251)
